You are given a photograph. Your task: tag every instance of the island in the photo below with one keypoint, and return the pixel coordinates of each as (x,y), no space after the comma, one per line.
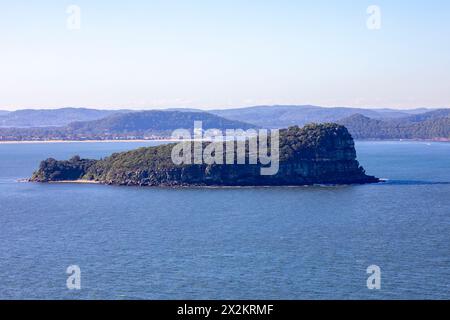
(314,154)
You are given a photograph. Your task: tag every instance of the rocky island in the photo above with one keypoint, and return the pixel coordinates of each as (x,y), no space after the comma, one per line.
(314,154)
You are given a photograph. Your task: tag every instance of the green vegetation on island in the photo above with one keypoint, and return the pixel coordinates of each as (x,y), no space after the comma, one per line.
(314,154)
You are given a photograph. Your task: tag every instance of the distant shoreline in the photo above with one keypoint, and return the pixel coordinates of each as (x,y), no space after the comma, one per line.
(82,141)
(445,140)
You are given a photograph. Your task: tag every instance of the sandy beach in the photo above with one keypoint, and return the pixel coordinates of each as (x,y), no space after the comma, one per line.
(76,181)
(96,141)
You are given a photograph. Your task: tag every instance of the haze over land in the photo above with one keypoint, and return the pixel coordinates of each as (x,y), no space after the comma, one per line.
(91,124)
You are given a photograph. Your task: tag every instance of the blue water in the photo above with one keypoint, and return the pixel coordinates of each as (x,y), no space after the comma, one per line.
(248,243)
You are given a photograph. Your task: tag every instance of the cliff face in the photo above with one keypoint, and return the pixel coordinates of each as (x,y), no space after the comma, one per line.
(315,154)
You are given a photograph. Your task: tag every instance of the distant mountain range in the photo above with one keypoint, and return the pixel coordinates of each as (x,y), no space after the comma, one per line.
(263,116)
(52,117)
(131,125)
(284,116)
(82,123)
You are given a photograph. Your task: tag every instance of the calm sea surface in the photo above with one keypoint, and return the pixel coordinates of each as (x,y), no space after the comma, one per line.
(232,243)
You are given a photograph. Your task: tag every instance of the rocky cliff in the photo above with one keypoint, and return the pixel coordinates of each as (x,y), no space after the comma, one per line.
(314,154)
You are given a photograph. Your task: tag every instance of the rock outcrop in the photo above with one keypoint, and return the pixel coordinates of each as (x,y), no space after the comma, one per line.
(314,154)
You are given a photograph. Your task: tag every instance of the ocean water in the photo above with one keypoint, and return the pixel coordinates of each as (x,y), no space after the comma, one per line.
(229,243)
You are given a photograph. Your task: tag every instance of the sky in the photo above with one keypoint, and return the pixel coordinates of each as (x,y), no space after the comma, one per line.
(220,54)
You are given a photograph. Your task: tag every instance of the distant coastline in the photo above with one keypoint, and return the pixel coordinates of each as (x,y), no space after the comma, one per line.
(82,141)
(176,140)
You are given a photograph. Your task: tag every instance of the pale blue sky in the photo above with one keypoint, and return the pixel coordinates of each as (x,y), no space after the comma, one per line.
(209,54)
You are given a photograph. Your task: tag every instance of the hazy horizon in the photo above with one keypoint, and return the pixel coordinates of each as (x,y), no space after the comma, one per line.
(159,54)
(219,108)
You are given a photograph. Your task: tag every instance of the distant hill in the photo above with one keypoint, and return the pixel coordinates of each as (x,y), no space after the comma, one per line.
(133,125)
(432,115)
(52,117)
(155,122)
(430,125)
(284,116)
